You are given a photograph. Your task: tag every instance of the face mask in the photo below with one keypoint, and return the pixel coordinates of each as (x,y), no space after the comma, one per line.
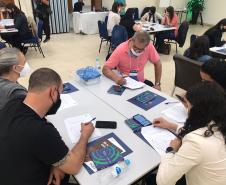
(136,54)
(55,106)
(25,71)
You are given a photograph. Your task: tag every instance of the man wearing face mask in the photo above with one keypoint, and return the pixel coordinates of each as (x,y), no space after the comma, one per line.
(130,58)
(33,149)
(12,67)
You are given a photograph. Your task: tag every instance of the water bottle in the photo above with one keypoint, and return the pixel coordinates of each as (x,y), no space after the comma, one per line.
(98,67)
(117,171)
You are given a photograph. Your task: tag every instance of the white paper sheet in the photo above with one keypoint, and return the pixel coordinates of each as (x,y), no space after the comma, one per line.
(7,22)
(67,101)
(177,113)
(158,138)
(73,126)
(133,84)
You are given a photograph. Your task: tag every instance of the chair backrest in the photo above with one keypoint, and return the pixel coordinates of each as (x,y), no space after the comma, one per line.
(187,72)
(182,33)
(119,35)
(106,19)
(145,10)
(135,13)
(2,45)
(40,28)
(103,32)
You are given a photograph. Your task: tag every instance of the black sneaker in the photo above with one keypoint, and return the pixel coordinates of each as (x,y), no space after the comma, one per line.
(46,40)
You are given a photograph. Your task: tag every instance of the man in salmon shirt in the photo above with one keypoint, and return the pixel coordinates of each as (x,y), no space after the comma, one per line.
(130,58)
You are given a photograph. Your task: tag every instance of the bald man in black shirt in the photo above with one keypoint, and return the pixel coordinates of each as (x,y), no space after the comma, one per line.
(32,150)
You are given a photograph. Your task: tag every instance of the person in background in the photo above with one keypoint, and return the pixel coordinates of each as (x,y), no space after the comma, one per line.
(152,16)
(215,33)
(200,154)
(20,23)
(33,148)
(128,22)
(170,19)
(214,70)
(43,12)
(114,17)
(78,6)
(199,49)
(12,67)
(123,2)
(130,58)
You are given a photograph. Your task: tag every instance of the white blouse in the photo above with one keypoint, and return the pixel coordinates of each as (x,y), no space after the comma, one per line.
(113,19)
(201,159)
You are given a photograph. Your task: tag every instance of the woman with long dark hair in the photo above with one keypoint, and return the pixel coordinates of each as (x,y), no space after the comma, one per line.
(128,22)
(214,70)
(170,19)
(20,23)
(199,49)
(215,33)
(200,153)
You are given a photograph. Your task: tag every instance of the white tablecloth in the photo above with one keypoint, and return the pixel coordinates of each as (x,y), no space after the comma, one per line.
(87,22)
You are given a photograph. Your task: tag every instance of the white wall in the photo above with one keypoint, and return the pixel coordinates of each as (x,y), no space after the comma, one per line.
(215,10)
(132,3)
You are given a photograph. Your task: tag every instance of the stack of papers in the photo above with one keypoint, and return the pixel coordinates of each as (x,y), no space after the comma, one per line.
(177,113)
(133,84)
(67,101)
(73,126)
(7,22)
(158,138)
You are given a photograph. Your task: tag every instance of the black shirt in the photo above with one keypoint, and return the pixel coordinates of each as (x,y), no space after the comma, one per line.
(29,146)
(128,24)
(78,6)
(215,36)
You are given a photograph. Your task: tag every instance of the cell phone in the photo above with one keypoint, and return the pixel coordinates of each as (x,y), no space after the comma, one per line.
(106,124)
(141,120)
(180,98)
(118,88)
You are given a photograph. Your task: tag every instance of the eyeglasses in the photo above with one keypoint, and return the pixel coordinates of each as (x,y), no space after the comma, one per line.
(139,50)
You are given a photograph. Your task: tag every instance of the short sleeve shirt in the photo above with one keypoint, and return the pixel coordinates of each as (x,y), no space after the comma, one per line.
(122,60)
(29,145)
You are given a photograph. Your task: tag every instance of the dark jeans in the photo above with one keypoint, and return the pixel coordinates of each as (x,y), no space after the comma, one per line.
(46,26)
(16,39)
(161,36)
(151,180)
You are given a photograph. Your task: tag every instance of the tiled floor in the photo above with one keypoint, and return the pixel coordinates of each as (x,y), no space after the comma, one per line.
(67,52)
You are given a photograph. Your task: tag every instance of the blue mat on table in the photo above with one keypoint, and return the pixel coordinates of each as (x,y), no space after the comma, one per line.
(102,141)
(147,100)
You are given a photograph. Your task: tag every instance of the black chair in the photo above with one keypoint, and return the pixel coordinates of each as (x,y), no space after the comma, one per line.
(103,33)
(181,36)
(135,13)
(119,35)
(35,41)
(145,10)
(187,72)
(106,19)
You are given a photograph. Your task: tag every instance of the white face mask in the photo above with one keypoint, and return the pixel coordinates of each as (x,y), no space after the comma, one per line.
(135,53)
(25,71)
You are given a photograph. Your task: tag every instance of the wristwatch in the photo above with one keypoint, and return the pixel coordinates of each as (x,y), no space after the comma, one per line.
(158,83)
(170,150)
